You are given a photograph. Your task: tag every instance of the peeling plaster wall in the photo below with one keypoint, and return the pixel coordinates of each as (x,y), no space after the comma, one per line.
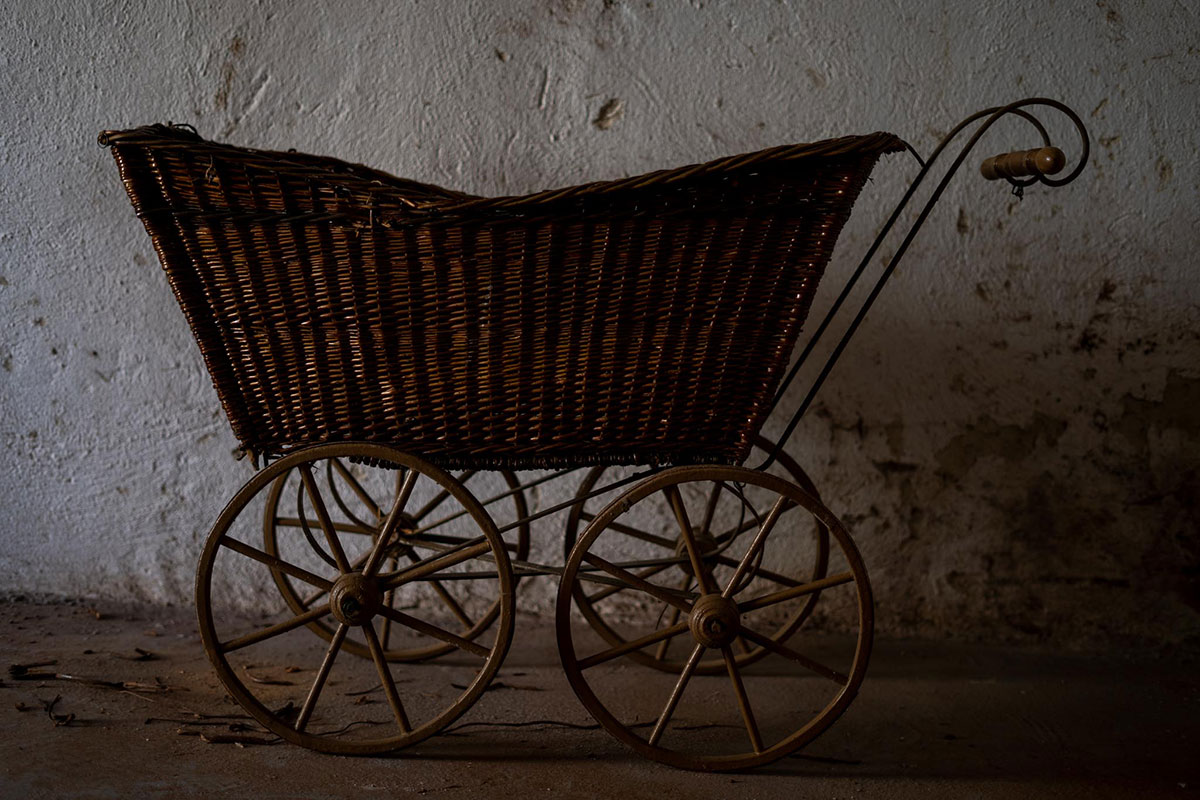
(1012,437)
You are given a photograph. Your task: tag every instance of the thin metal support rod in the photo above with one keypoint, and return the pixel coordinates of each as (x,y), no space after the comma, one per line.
(636,533)
(497,498)
(441,496)
(452,557)
(926,165)
(992,114)
(610,591)
(294,522)
(637,476)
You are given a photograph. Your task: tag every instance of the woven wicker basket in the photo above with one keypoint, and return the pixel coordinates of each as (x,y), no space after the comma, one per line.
(645,320)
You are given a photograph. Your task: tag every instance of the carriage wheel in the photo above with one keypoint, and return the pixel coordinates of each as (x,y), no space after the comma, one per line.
(350,492)
(761,716)
(293,682)
(602,606)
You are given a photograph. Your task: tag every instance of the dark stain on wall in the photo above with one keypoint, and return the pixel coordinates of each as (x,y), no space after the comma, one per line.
(987,438)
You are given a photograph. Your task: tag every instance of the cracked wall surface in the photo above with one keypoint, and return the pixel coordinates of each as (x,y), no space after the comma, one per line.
(1011,437)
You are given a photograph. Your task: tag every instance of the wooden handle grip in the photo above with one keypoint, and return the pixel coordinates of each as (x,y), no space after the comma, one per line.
(1023,163)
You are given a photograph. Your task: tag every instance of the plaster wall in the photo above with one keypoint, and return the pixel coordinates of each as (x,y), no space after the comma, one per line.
(1012,436)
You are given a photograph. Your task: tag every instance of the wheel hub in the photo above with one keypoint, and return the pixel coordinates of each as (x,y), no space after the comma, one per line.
(354,599)
(714,620)
(406,525)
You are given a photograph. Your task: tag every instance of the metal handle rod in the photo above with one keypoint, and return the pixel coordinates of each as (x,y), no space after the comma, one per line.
(866,259)
(992,114)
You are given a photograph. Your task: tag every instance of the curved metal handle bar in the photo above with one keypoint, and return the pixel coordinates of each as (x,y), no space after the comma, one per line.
(992,114)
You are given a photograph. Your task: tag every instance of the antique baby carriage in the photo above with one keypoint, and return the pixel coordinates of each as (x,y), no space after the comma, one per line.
(367,335)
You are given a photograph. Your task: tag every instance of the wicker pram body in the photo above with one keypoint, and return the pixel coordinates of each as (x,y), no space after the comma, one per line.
(645,320)
(367,333)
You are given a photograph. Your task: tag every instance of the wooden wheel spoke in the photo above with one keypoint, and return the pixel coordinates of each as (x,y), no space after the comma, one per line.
(703,577)
(388,598)
(469,549)
(796,591)
(668,596)
(660,635)
(753,522)
(443,594)
(789,653)
(341,527)
(314,496)
(710,507)
(676,694)
(611,590)
(455,607)
(276,563)
(389,526)
(759,572)
(661,652)
(733,533)
(311,615)
(756,544)
(636,533)
(433,631)
(385,678)
(440,497)
(357,487)
(305,602)
(739,689)
(322,675)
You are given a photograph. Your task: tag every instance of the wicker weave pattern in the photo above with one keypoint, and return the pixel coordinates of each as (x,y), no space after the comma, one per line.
(646,320)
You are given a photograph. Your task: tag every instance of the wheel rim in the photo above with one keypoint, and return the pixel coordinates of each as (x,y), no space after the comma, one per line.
(339,705)
(662,657)
(660,730)
(367,516)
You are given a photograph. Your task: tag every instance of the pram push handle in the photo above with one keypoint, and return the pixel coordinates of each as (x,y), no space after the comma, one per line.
(1024,163)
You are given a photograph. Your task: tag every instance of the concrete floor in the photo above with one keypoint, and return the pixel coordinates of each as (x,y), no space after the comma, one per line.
(933,720)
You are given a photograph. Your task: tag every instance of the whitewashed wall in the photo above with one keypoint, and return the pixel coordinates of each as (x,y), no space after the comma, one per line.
(1012,437)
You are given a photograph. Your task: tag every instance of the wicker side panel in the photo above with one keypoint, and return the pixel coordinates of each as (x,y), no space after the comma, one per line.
(646,326)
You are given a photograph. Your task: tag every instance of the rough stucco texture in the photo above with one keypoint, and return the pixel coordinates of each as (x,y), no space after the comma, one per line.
(1012,437)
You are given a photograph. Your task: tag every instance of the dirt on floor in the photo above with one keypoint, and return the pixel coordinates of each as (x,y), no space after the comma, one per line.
(107,701)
